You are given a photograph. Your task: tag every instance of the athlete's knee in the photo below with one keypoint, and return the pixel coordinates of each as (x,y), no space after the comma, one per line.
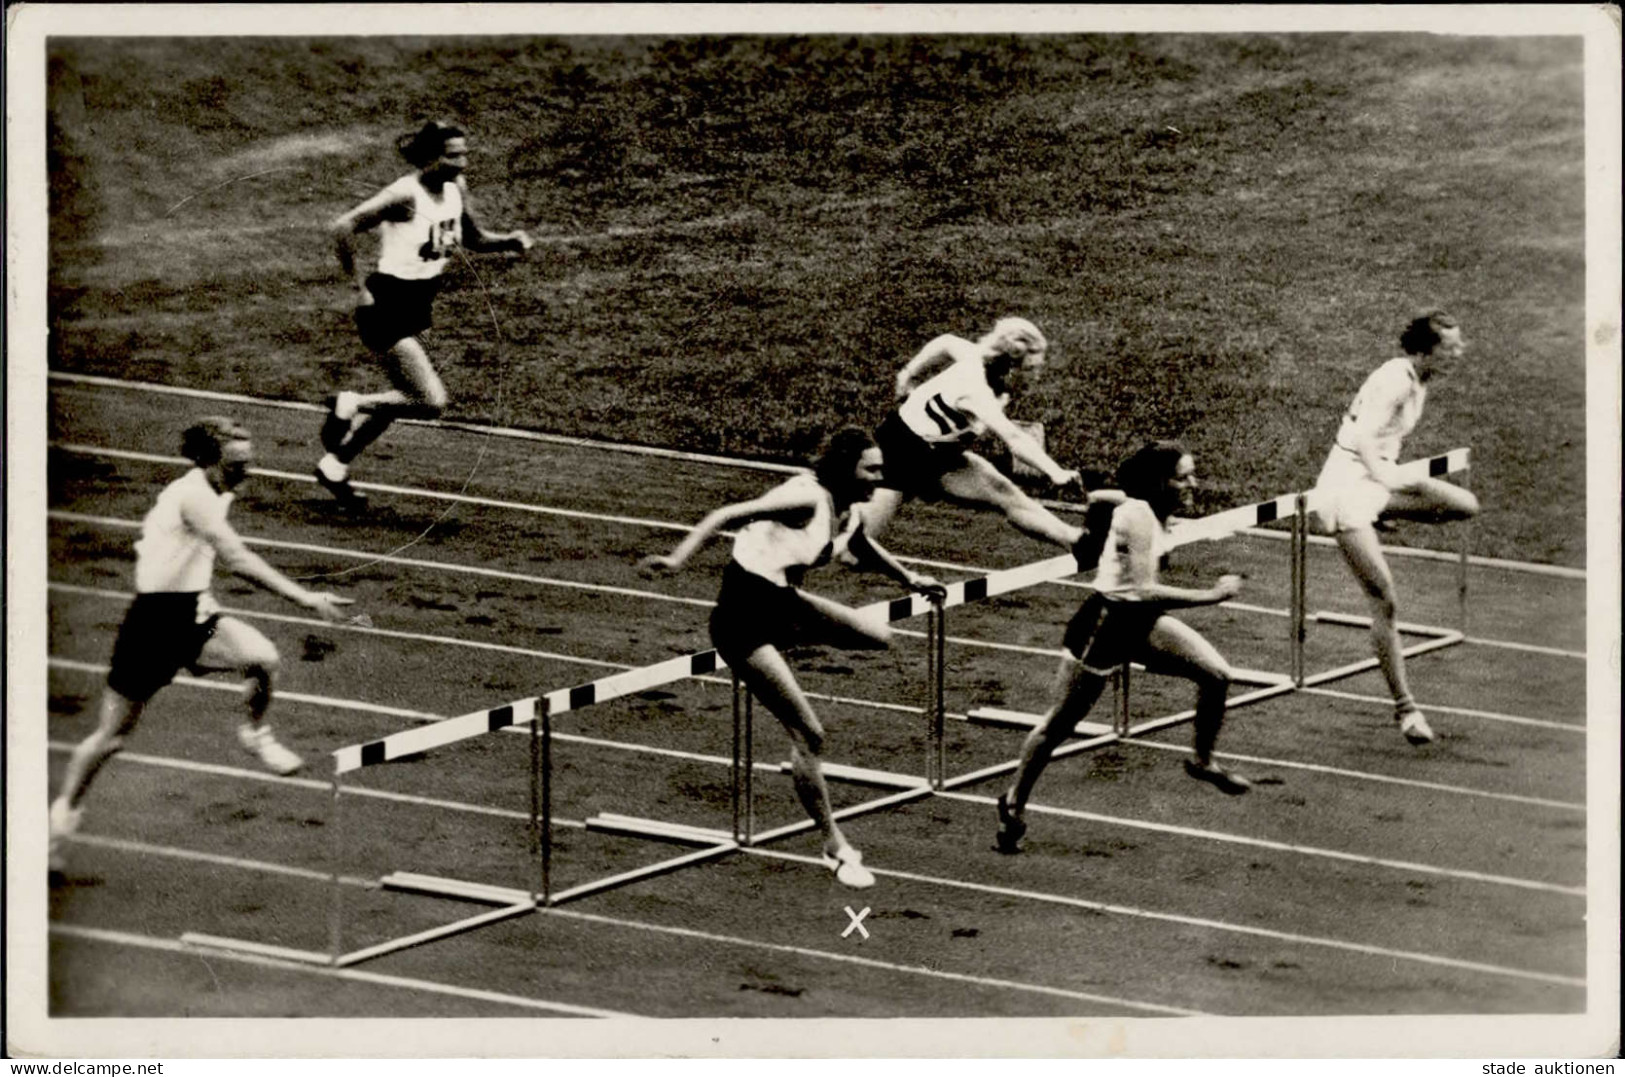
(1383,605)
(1214,679)
(101,744)
(261,675)
(426,406)
(877,632)
(1467,505)
(808,742)
(433,401)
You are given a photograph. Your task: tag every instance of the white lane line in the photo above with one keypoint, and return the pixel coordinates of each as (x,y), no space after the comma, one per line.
(378,487)
(1033,895)
(1196,921)
(220,770)
(175,946)
(495,648)
(518,506)
(685,933)
(1282,846)
(142,848)
(1556,652)
(1493,716)
(1534,568)
(411,562)
(667,525)
(1437,787)
(1167,828)
(872,704)
(442,424)
(722,461)
(872,963)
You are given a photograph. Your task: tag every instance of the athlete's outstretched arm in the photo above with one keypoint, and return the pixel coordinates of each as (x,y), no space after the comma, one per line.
(478,239)
(871,554)
(1023,446)
(1134,523)
(237,557)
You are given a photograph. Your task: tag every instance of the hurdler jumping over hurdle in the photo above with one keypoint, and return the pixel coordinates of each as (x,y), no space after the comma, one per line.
(1126,619)
(786,531)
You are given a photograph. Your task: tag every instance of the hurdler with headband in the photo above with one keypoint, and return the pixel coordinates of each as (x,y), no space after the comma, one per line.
(421,219)
(175,623)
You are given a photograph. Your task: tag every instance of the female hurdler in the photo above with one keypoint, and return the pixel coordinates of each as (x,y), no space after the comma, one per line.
(1360,486)
(420,219)
(1126,619)
(175,624)
(761,607)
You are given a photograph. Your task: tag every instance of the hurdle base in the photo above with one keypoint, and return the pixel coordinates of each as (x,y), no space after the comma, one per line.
(1009,719)
(598,886)
(883,779)
(637,827)
(526,904)
(438,886)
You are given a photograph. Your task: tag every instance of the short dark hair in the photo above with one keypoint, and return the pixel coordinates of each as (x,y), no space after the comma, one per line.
(204,440)
(1423,334)
(839,458)
(1144,474)
(421,147)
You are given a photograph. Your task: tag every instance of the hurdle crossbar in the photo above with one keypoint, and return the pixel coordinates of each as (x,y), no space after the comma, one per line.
(476,723)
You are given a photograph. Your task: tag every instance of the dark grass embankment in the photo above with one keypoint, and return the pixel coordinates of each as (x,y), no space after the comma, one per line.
(742,238)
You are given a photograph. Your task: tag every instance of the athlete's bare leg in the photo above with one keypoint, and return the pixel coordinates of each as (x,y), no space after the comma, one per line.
(979,484)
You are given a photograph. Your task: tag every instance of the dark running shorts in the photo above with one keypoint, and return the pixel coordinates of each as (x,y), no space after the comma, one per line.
(1104,634)
(752,611)
(400,309)
(911,464)
(160,637)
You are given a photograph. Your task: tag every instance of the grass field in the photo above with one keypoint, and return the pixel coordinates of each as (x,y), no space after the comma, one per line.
(742,238)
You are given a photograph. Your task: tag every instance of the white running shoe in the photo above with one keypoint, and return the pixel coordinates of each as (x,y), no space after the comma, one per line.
(277,759)
(849,870)
(1414,726)
(64,821)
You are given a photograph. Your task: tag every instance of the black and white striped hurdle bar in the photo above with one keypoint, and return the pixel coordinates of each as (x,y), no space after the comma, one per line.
(520,711)
(477,723)
(1217,526)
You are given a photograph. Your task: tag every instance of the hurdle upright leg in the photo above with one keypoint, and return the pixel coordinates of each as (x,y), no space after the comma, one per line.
(546,768)
(335,906)
(1300,586)
(937,764)
(930,680)
(1466,529)
(1120,693)
(742,789)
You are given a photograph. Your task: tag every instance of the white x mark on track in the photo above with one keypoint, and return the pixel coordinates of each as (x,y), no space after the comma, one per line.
(857,922)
